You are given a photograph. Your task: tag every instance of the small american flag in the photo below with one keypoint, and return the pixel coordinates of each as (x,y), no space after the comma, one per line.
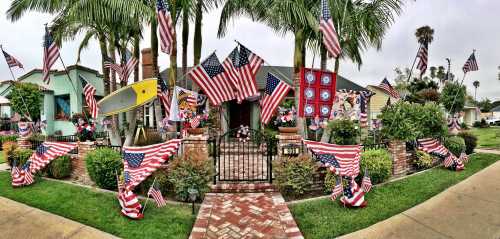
(338,189)
(353,196)
(128,65)
(248,65)
(464,158)
(166,28)
(11,61)
(470,64)
(28,176)
(50,55)
(131,207)
(389,89)
(108,63)
(448,160)
(140,162)
(155,192)
(366,184)
(364,98)
(163,96)
(195,122)
(47,152)
(422,55)
(347,156)
(89,92)
(276,90)
(212,79)
(17,177)
(326,26)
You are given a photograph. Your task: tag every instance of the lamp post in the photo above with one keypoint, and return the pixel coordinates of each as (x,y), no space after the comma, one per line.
(193,194)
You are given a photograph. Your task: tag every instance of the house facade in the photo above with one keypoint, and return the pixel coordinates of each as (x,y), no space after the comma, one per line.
(378,101)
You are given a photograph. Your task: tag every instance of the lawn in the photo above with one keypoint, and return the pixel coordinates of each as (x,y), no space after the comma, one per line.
(326,219)
(100,210)
(2,160)
(487,137)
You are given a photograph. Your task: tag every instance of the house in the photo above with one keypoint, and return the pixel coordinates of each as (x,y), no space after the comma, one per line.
(61,98)
(470,115)
(378,101)
(495,113)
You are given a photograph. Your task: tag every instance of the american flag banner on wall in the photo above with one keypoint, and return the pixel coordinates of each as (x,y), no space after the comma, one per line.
(140,162)
(155,193)
(326,26)
(248,65)
(12,61)
(50,55)
(211,77)
(423,58)
(345,160)
(47,152)
(163,96)
(470,64)
(89,93)
(389,89)
(276,90)
(166,27)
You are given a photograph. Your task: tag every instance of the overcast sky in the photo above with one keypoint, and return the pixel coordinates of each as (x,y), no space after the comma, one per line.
(460,26)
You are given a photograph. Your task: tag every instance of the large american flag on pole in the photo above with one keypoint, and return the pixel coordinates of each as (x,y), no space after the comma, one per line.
(50,55)
(470,64)
(47,152)
(389,89)
(422,56)
(108,63)
(166,27)
(211,77)
(275,92)
(89,92)
(230,65)
(346,157)
(163,96)
(248,65)
(326,26)
(140,162)
(128,65)
(12,61)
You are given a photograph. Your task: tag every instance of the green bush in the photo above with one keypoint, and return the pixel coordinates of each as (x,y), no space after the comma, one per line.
(470,141)
(477,124)
(59,167)
(8,150)
(102,165)
(294,175)
(330,181)
(192,170)
(344,131)
(379,165)
(7,138)
(423,160)
(161,180)
(453,96)
(20,156)
(455,144)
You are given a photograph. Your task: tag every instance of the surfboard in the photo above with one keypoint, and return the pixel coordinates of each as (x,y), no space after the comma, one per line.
(128,97)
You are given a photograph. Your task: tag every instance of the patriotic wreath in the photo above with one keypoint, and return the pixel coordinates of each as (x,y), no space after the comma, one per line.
(243,134)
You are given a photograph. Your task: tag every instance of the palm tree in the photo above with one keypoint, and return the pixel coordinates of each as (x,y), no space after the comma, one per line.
(476,85)
(425,35)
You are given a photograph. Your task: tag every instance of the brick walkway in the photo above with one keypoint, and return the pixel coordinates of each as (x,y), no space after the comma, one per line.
(245,215)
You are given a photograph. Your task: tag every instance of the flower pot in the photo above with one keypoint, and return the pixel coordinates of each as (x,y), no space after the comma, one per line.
(196,131)
(288,130)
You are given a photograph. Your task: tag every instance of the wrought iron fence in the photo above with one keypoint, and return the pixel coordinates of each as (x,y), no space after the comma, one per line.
(116,148)
(383,145)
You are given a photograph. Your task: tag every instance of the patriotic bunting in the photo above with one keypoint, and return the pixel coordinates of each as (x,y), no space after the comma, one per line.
(24,129)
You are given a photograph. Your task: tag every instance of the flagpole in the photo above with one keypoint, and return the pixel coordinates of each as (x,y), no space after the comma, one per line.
(413,65)
(147,196)
(460,86)
(74,88)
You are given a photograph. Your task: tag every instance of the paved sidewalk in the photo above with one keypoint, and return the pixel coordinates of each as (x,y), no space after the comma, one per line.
(245,215)
(487,151)
(470,209)
(18,220)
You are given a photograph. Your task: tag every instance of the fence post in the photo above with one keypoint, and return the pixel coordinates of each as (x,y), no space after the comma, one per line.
(213,144)
(400,164)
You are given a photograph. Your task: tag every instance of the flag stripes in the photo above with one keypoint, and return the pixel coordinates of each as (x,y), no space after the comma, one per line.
(326,26)
(156,194)
(166,28)
(347,156)
(249,64)
(50,55)
(163,96)
(11,61)
(89,92)
(470,64)
(47,152)
(422,55)
(389,89)
(276,90)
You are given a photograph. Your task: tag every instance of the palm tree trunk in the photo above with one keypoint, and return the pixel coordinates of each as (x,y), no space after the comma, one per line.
(185,41)
(132,114)
(154,48)
(104,57)
(323,57)
(172,78)
(327,132)
(298,58)
(198,39)
(114,136)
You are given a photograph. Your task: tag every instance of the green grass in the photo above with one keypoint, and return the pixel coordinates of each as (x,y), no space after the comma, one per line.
(2,160)
(326,219)
(100,210)
(487,137)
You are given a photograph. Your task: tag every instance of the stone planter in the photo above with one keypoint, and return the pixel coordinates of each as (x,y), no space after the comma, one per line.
(288,130)
(196,131)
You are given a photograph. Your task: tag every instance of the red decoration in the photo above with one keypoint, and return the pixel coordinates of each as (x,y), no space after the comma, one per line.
(317,92)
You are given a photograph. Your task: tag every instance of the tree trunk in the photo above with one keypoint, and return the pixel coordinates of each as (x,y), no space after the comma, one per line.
(297,63)
(104,57)
(198,39)
(172,78)
(324,57)
(154,48)
(132,114)
(114,135)
(185,41)
(327,132)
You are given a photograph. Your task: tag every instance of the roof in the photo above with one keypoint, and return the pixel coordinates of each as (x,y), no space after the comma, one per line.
(496,109)
(61,72)
(4,101)
(287,71)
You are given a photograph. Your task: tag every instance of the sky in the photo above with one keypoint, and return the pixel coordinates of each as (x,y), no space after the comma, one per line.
(459,27)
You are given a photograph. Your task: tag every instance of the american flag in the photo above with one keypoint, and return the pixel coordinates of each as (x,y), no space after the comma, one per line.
(364,98)
(433,146)
(128,65)
(28,176)
(449,160)
(21,177)
(155,192)
(131,207)
(464,158)
(11,61)
(353,196)
(212,79)
(190,99)
(163,96)
(89,92)
(276,90)
(195,122)
(422,56)
(108,63)
(50,55)
(24,129)
(248,65)
(338,189)
(389,89)
(166,28)
(231,65)
(347,156)
(470,64)
(326,26)
(47,152)
(140,162)
(366,183)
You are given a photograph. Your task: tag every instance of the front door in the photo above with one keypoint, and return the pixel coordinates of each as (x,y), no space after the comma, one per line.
(239,114)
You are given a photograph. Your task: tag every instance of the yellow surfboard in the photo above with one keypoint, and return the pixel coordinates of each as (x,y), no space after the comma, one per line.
(128,97)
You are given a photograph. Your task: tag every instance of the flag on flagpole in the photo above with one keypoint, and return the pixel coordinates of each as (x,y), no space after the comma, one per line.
(89,92)
(231,65)
(275,92)
(470,64)
(423,55)
(155,192)
(166,27)
(163,96)
(108,63)
(12,61)
(50,55)
(366,183)
(128,65)
(248,65)
(326,26)
(389,89)
(338,189)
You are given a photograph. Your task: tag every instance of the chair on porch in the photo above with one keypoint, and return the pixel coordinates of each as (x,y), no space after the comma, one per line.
(436,148)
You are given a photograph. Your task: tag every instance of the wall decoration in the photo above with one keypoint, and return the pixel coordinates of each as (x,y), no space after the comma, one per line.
(317,93)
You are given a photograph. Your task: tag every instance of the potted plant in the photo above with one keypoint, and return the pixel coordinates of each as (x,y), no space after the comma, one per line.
(286,121)
(195,122)
(85,129)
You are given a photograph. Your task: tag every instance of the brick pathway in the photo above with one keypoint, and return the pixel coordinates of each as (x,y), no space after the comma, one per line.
(245,215)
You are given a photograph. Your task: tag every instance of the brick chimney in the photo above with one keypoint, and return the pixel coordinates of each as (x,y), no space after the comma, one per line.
(147,63)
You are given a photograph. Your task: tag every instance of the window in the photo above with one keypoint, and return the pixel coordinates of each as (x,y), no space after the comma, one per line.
(62,107)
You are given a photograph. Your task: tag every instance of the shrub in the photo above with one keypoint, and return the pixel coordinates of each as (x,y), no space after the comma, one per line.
(484,124)
(477,124)
(453,97)
(344,131)
(379,165)
(470,141)
(423,160)
(294,175)
(192,170)
(20,156)
(8,150)
(7,138)
(455,144)
(330,181)
(464,126)
(59,167)
(102,165)
(161,180)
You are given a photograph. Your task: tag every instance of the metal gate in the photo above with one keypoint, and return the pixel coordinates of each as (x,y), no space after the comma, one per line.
(244,157)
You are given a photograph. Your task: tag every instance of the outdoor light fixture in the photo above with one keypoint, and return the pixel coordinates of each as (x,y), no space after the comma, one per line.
(193,194)
(291,149)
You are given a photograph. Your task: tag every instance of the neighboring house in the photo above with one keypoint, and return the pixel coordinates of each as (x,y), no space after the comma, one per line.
(495,112)
(470,115)
(61,99)
(378,101)
(4,108)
